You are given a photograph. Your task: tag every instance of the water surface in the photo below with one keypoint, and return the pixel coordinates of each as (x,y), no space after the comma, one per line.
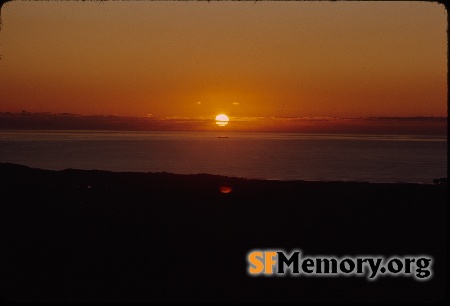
(284,156)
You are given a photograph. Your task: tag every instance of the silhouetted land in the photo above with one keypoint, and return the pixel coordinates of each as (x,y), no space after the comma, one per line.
(370,125)
(78,235)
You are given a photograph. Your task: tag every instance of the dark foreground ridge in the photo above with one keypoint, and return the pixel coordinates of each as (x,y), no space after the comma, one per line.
(78,235)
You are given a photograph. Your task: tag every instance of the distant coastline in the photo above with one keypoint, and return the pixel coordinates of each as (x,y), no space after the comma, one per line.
(18,168)
(364,125)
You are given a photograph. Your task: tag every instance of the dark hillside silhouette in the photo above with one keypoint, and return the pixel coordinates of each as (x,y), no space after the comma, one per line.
(78,235)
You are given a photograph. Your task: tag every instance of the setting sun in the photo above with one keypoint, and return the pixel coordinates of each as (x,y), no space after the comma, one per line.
(222,120)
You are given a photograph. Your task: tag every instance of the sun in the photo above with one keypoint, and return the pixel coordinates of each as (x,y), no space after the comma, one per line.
(222,120)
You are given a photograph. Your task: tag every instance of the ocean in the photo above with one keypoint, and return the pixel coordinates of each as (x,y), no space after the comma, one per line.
(271,156)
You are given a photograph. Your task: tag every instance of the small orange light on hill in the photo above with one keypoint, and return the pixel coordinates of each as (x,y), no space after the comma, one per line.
(225,189)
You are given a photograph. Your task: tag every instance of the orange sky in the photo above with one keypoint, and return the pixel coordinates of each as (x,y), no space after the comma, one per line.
(245,59)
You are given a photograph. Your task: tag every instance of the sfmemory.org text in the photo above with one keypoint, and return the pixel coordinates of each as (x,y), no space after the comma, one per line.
(278,263)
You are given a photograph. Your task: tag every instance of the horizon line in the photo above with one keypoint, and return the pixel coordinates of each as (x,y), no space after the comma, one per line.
(212,117)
